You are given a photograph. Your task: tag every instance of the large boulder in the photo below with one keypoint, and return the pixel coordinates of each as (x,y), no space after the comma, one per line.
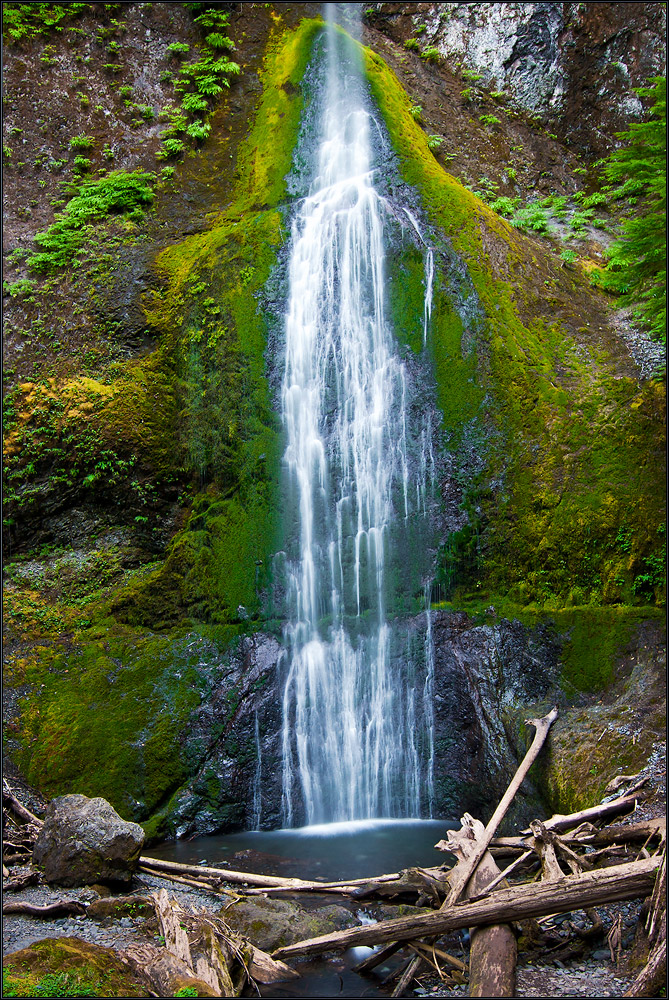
(273,923)
(84,841)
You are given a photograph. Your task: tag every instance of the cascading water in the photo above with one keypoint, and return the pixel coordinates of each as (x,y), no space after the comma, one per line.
(357,735)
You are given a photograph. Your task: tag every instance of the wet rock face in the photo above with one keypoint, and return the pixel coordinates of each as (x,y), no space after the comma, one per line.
(484,675)
(84,841)
(573,64)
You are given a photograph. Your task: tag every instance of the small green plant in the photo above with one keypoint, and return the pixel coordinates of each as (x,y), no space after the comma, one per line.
(125,92)
(107,152)
(504,206)
(568,257)
(186,991)
(466,93)
(81,165)
(431,54)
(83,99)
(171,148)
(178,49)
(489,120)
(497,95)
(532,216)
(19,288)
(416,111)
(61,984)
(82,143)
(412,45)
(468,74)
(434,142)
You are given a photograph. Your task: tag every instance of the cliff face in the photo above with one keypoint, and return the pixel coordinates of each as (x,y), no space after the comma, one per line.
(573,65)
(142,440)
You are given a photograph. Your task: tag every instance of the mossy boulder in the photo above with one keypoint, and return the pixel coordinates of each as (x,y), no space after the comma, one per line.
(273,923)
(54,966)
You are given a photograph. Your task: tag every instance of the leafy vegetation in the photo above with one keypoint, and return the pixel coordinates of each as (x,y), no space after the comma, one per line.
(64,242)
(28,20)
(637,173)
(62,984)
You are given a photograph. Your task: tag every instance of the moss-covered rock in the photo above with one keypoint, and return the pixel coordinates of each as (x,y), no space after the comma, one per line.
(273,923)
(69,967)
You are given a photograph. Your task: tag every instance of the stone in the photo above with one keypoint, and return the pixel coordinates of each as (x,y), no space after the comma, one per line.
(85,841)
(273,923)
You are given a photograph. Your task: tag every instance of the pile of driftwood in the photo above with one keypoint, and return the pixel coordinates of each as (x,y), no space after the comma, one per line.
(564,864)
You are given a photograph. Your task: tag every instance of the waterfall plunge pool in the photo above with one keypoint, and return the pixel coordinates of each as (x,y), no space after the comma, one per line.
(331,851)
(328,852)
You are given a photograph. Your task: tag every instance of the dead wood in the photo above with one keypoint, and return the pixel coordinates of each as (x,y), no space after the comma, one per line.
(493,952)
(209,950)
(629,881)
(63,908)
(10,801)
(377,958)
(408,975)
(459,881)
(210,885)
(21,881)
(560,823)
(653,977)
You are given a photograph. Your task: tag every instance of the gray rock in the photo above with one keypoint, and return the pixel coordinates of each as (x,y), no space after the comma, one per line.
(84,841)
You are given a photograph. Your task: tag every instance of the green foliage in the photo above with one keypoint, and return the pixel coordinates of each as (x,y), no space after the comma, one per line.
(434,142)
(81,165)
(171,148)
(468,74)
(412,45)
(431,54)
(568,256)
(187,991)
(504,206)
(416,111)
(637,259)
(178,49)
(119,193)
(532,217)
(489,120)
(62,984)
(18,288)
(28,20)
(82,143)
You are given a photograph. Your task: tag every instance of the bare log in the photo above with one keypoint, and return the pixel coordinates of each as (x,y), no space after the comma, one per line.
(262,881)
(408,975)
(560,823)
(377,957)
(21,881)
(630,881)
(493,952)
(653,977)
(462,874)
(11,802)
(64,908)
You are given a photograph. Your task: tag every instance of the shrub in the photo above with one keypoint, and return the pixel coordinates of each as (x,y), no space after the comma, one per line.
(489,120)
(412,45)
(171,148)
(434,142)
(533,217)
(178,49)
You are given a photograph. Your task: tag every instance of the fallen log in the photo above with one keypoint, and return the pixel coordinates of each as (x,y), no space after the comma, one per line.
(377,957)
(21,881)
(407,976)
(590,836)
(11,802)
(265,882)
(65,908)
(463,873)
(560,823)
(630,881)
(653,976)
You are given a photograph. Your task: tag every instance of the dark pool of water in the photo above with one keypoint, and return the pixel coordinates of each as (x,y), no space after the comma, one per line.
(331,852)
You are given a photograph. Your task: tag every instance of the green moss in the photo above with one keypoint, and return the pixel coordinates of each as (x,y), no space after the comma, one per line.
(106,720)
(567,450)
(68,967)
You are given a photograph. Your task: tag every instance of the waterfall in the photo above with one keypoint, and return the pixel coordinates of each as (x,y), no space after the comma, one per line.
(354,721)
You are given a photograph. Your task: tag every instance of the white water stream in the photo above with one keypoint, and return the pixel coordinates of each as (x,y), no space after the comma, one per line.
(357,731)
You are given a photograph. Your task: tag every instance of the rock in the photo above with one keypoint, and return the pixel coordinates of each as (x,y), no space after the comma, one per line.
(84,841)
(273,923)
(97,968)
(120,906)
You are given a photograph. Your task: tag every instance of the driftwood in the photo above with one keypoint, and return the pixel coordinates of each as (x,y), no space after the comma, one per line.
(21,881)
(64,908)
(620,882)
(210,951)
(653,976)
(408,975)
(626,803)
(10,801)
(463,873)
(493,952)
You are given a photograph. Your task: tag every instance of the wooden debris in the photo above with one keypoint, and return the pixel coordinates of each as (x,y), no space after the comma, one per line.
(21,881)
(377,957)
(464,872)
(10,801)
(63,908)
(629,881)
(560,823)
(408,975)
(205,948)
